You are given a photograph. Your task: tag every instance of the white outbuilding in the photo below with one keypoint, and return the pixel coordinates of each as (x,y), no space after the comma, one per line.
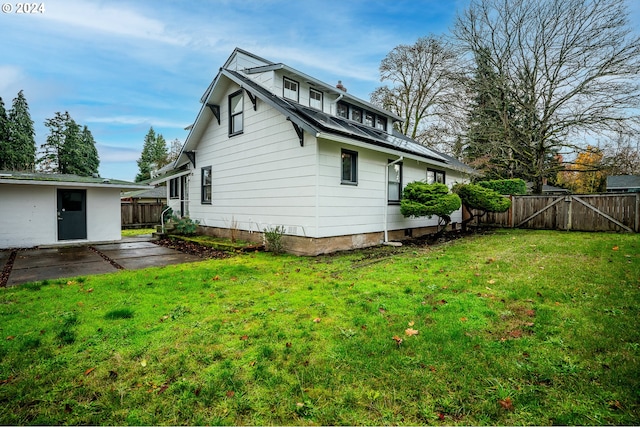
(39,209)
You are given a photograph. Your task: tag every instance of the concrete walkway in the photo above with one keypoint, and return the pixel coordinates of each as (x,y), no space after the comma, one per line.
(31,265)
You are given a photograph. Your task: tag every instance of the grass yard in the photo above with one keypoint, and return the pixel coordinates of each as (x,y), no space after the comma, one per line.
(512,327)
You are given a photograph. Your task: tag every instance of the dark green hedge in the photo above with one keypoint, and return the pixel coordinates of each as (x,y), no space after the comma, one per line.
(422,199)
(479,197)
(506,186)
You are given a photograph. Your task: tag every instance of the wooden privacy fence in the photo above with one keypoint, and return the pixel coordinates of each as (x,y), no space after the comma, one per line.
(135,214)
(593,212)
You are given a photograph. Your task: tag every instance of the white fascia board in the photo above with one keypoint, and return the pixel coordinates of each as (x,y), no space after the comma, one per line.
(166,178)
(75,184)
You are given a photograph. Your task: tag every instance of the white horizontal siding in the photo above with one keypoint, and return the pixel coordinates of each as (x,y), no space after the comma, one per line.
(349,209)
(260,178)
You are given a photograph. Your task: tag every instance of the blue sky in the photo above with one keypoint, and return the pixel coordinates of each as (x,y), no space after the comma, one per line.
(120,67)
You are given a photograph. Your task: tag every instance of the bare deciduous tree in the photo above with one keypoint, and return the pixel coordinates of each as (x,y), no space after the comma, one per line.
(571,68)
(423,88)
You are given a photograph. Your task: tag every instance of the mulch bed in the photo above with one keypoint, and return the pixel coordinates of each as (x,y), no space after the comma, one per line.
(192,248)
(6,271)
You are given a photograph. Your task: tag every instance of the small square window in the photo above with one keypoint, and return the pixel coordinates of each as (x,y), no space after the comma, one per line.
(343,110)
(368,118)
(290,89)
(315,99)
(434,176)
(356,115)
(236,109)
(349,167)
(206,185)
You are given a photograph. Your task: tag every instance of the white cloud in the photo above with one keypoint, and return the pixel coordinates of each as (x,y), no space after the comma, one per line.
(137,120)
(9,77)
(113,18)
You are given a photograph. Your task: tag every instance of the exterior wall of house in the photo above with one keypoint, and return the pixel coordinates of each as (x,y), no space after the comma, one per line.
(357,209)
(29,214)
(260,178)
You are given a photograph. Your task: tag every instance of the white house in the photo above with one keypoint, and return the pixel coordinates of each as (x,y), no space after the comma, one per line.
(272,146)
(48,209)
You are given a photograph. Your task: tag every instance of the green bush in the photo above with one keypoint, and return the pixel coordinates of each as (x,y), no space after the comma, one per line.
(482,198)
(506,186)
(273,239)
(422,199)
(185,225)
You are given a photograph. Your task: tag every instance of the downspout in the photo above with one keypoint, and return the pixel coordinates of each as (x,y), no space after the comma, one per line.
(386,198)
(335,103)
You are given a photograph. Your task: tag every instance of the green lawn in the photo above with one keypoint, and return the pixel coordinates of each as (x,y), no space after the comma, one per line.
(512,327)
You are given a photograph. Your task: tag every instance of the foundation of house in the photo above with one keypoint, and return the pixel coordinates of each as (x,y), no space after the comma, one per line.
(313,246)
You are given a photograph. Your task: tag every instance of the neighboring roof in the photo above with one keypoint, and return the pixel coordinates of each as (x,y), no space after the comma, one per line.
(65,180)
(151,193)
(623,182)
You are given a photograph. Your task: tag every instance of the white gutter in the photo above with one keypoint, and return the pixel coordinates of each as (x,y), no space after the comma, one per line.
(386,196)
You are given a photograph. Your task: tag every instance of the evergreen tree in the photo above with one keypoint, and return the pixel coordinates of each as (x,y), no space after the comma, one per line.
(154,155)
(4,137)
(68,149)
(21,146)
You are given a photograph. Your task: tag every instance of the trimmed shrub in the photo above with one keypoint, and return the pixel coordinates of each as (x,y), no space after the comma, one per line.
(482,198)
(422,199)
(506,186)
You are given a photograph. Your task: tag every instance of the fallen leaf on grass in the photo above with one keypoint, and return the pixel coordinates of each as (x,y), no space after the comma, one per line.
(88,371)
(397,339)
(231,393)
(163,388)
(410,332)
(491,282)
(412,323)
(317,320)
(440,416)
(244,337)
(143,363)
(515,333)
(11,337)
(506,403)
(615,248)
(463,319)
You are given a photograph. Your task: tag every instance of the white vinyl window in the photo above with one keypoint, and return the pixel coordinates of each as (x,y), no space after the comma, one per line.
(290,89)
(395,183)
(236,109)
(315,99)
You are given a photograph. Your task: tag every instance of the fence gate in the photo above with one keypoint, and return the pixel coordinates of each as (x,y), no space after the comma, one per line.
(598,212)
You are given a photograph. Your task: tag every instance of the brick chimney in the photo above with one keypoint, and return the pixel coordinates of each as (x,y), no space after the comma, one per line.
(339,86)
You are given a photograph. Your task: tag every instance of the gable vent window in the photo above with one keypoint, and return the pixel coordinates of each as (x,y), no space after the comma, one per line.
(236,108)
(290,89)
(315,99)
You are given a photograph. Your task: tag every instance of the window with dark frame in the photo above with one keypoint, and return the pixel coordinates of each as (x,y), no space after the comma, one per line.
(356,114)
(381,123)
(434,175)
(369,118)
(291,89)
(173,188)
(206,185)
(349,167)
(394,182)
(342,110)
(236,109)
(315,99)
